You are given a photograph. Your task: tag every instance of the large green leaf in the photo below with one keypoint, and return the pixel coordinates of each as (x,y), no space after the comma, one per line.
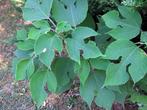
(37,9)
(38,82)
(76,43)
(63,69)
(46,45)
(133,61)
(72,11)
(41,27)
(51,81)
(130,20)
(24,69)
(105,98)
(92,85)
(83,71)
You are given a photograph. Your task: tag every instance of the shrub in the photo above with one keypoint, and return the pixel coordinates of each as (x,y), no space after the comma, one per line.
(104,48)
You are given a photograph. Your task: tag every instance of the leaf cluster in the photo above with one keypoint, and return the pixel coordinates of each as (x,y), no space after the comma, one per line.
(63,43)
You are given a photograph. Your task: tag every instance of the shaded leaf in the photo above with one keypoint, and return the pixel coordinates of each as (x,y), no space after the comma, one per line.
(51,81)
(23,54)
(84,71)
(103,40)
(91,87)
(144,37)
(141,100)
(105,98)
(89,22)
(63,69)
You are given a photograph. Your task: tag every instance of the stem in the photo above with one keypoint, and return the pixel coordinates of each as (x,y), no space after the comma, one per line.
(140,43)
(51,21)
(53,30)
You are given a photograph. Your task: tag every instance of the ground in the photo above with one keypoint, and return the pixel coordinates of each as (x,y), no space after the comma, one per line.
(13,95)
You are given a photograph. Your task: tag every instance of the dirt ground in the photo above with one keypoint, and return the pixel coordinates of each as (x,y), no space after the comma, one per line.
(13,95)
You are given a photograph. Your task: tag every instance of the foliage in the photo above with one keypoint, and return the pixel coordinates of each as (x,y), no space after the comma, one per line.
(135,3)
(63,43)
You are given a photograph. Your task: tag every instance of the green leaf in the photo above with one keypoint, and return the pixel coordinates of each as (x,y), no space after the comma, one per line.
(131,21)
(89,22)
(42,24)
(103,40)
(63,27)
(51,81)
(21,34)
(24,68)
(14,65)
(47,58)
(116,74)
(23,54)
(76,43)
(144,37)
(120,97)
(45,46)
(99,63)
(41,27)
(84,71)
(25,45)
(140,99)
(37,9)
(37,83)
(91,50)
(133,61)
(72,11)
(120,93)
(33,33)
(63,69)
(105,98)
(92,85)
(142,84)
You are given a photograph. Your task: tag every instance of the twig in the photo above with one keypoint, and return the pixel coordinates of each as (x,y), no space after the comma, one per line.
(51,21)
